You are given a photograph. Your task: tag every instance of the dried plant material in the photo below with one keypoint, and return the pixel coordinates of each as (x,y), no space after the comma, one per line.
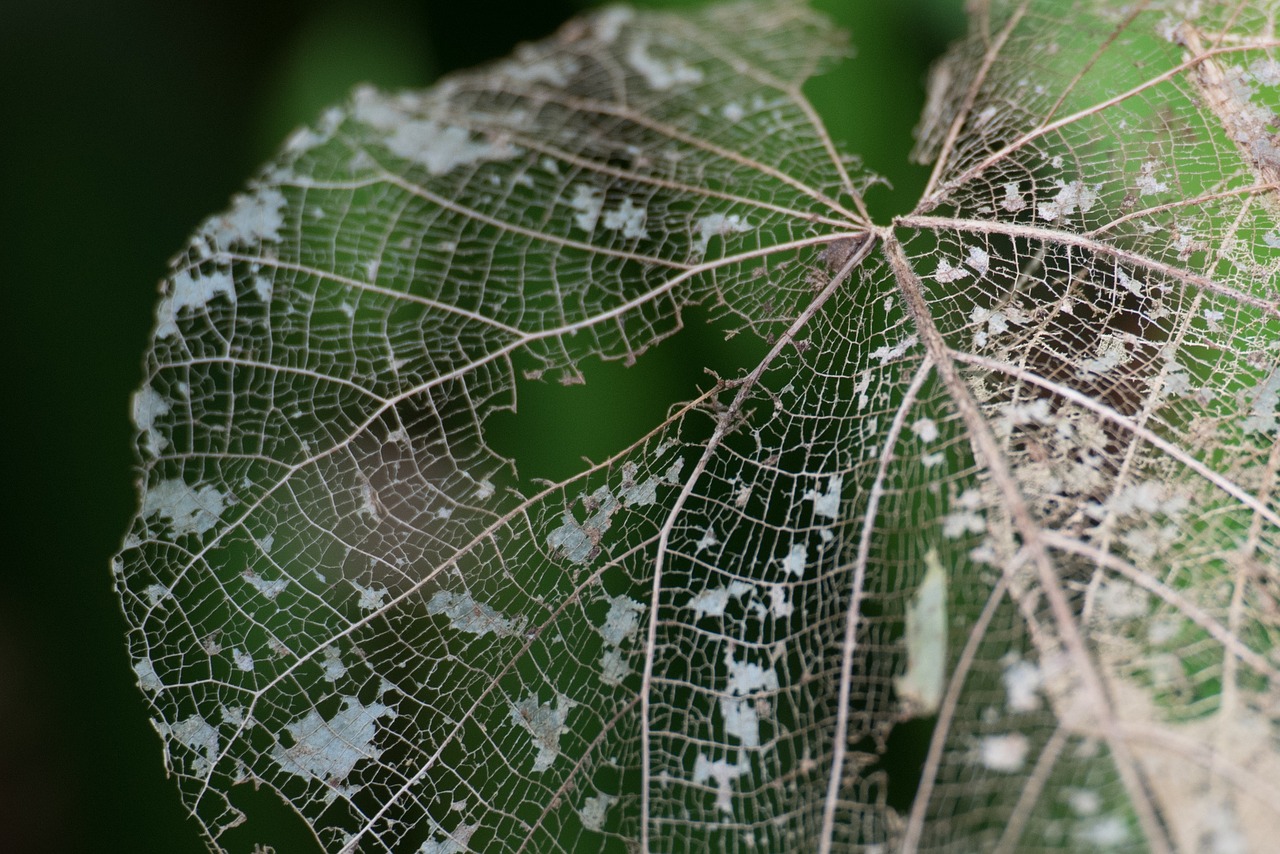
(1008,465)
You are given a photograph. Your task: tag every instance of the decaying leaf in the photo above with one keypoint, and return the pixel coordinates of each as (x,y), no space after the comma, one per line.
(1009,462)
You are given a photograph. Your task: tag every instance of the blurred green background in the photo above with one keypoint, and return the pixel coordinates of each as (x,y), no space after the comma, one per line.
(126,122)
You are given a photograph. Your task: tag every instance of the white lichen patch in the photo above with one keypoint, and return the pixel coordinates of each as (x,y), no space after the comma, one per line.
(1109,832)
(545,722)
(640,494)
(1016,414)
(572,540)
(1005,753)
(746,698)
(796,560)
(269,589)
(1142,500)
(998,322)
(1264,415)
(333,667)
(149,405)
(634,493)
(965,517)
(1119,600)
(1163,629)
(628,218)
(978,259)
(304,139)
(989,323)
(1176,382)
(587,202)
(607,24)
(254,218)
(188,510)
(725,775)
(580,542)
(827,503)
(443,841)
(747,677)
(1070,198)
(613,666)
(242,659)
(148,679)
(946,272)
(191,291)
(622,622)
(925,429)
(920,687)
(443,148)
(467,615)
(718,225)
(530,66)
(594,810)
(741,720)
(328,751)
(706,541)
(196,735)
(1130,284)
(984,553)
(1084,802)
(860,388)
(660,74)
(1265,71)
(1013,200)
(1147,182)
(1022,681)
(780,606)
(372,597)
(892,352)
(1111,354)
(713,601)
(156,593)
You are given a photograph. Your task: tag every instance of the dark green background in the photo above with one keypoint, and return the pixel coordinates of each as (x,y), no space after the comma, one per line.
(125,123)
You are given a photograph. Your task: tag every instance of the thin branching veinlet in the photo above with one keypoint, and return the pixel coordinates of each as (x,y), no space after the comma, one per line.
(982,554)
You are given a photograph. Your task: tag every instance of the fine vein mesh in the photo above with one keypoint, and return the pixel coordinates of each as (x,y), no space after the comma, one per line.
(1098,248)
(981,556)
(337,590)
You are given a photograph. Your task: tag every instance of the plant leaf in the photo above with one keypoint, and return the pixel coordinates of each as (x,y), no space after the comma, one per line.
(1030,428)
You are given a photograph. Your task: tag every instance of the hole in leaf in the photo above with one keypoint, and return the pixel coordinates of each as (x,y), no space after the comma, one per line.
(555,426)
(892,41)
(903,760)
(271,825)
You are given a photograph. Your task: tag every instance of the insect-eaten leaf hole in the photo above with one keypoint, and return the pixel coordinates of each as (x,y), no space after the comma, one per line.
(602,406)
(902,761)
